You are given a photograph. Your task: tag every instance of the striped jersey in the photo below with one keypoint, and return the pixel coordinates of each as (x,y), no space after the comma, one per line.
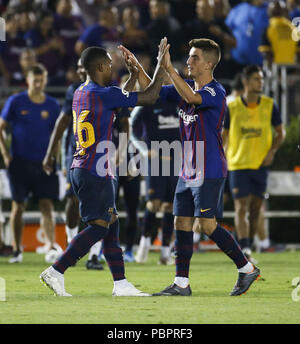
(93,116)
(201,124)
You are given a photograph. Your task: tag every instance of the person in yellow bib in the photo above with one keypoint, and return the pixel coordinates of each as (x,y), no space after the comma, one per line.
(250,147)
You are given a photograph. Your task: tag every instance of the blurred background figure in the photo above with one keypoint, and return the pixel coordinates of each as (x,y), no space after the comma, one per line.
(106,32)
(207,25)
(134,37)
(49,48)
(68,28)
(163,24)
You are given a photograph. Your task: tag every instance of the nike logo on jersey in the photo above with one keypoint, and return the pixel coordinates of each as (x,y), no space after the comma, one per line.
(204,210)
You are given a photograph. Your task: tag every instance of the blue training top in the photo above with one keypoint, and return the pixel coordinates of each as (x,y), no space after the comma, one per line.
(32,125)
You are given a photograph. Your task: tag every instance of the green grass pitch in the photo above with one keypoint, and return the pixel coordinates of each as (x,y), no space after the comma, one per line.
(212,276)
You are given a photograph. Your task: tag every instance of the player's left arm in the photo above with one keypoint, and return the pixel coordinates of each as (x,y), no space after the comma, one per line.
(278,138)
(277,141)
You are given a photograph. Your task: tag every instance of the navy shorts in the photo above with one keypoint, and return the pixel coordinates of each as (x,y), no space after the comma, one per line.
(203,201)
(96,195)
(162,188)
(28,177)
(246,182)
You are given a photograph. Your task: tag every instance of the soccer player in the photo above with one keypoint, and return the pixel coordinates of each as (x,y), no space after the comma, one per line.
(92,174)
(157,123)
(250,151)
(199,195)
(32,115)
(64,122)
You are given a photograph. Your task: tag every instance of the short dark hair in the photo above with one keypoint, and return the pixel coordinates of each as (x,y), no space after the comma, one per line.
(90,56)
(208,46)
(249,70)
(37,69)
(237,83)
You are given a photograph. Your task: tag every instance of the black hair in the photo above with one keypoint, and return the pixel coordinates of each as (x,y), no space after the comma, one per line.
(237,83)
(249,70)
(37,69)
(90,56)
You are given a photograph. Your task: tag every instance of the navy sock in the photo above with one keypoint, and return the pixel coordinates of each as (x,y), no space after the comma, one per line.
(167,225)
(113,252)
(184,252)
(228,245)
(80,246)
(130,230)
(244,243)
(149,221)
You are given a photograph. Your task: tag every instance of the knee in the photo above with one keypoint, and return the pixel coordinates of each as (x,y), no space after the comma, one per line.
(183,223)
(17,208)
(46,207)
(241,208)
(167,207)
(153,205)
(208,226)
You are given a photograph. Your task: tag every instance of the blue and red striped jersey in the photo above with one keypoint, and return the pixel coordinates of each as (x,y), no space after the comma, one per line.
(93,116)
(202,123)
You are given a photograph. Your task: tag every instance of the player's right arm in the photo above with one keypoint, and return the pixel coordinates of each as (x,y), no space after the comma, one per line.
(7,115)
(61,124)
(3,147)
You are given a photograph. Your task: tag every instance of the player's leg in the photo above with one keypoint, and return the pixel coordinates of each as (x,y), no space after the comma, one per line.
(114,257)
(152,207)
(240,185)
(72,217)
(96,203)
(256,206)
(183,209)
(209,206)
(131,196)
(255,215)
(47,220)
(167,226)
(16,225)
(45,190)
(19,187)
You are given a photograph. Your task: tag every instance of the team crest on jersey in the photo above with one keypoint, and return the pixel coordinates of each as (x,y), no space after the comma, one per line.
(210,90)
(110,211)
(24,112)
(44,114)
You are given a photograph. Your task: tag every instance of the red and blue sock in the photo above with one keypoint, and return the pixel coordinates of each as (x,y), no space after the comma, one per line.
(80,246)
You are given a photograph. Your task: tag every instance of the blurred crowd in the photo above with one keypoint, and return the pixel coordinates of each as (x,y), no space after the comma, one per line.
(55,32)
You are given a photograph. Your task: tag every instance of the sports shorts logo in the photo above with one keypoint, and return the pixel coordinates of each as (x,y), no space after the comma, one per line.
(204,210)
(110,211)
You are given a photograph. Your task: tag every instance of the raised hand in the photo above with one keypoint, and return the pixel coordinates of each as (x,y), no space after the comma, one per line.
(163,57)
(129,58)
